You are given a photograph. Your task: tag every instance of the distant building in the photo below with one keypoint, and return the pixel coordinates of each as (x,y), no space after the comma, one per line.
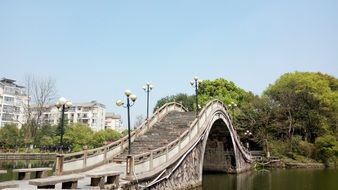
(113,121)
(12,103)
(91,113)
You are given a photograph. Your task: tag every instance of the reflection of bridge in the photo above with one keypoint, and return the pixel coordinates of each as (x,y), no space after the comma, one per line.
(171,150)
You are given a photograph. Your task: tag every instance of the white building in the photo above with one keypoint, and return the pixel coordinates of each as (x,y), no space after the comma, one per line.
(12,103)
(113,122)
(91,113)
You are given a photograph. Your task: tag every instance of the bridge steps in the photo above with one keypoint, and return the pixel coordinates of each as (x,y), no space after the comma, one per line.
(162,133)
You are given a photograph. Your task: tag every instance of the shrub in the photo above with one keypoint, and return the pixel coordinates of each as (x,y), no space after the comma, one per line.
(326,149)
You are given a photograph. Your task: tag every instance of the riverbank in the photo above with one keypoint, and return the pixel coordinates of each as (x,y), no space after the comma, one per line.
(293,164)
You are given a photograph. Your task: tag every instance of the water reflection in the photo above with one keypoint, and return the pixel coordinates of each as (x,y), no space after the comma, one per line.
(279,179)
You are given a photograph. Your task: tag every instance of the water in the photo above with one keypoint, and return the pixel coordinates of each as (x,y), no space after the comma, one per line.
(277,179)
(9,165)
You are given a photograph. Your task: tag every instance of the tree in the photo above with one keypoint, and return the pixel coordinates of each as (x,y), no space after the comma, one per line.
(186,100)
(107,135)
(307,104)
(139,121)
(256,114)
(40,92)
(9,136)
(78,135)
(224,90)
(47,135)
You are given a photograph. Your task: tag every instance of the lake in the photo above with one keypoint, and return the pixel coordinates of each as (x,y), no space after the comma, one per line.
(275,179)
(9,165)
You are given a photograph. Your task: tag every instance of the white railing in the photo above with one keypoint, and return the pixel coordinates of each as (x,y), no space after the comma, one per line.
(87,159)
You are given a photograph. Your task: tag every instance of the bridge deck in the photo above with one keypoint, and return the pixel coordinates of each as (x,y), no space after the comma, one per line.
(162,133)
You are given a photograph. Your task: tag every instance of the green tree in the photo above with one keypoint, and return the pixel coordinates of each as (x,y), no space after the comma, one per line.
(107,135)
(307,104)
(224,90)
(10,136)
(49,134)
(256,114)
(186,100)
(326,148)
(77,135)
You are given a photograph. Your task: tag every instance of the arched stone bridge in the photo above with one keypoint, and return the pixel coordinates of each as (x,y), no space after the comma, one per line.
(172,150)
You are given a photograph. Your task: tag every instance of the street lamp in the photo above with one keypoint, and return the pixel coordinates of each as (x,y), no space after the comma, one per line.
(232,106)
(247,134)
(62,104)
(133,98)
(195,83)
(147,88)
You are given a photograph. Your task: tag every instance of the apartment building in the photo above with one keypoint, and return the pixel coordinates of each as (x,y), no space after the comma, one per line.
(113,121)
(12,102)
(91,113)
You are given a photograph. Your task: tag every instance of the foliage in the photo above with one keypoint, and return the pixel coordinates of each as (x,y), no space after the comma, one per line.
(307,104)
(326,148)
(10,136)
(186,100)
(78,135)
(46,135)
(107,135)
(224,90)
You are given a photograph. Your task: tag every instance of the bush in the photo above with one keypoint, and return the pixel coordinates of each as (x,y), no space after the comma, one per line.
(307,149)
(278,147)
(326,149)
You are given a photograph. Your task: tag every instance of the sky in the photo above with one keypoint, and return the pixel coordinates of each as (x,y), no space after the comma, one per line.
(96,49)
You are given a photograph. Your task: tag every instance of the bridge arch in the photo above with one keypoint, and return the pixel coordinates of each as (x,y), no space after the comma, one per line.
(218,152)
(183,161)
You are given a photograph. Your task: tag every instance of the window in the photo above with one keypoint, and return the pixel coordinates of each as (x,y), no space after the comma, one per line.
(9,99)
(7,117)
(8,109)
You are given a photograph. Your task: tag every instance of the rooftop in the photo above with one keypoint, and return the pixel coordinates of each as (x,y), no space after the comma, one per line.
(9,82)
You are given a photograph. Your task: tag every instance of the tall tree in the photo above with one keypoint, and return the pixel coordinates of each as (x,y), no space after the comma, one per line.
(307,103)
(40,91)
(222,89)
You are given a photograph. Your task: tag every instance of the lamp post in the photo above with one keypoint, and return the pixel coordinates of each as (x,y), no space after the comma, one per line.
(62,104)
(195,83)
(247,134)
(147,88)
(133,98)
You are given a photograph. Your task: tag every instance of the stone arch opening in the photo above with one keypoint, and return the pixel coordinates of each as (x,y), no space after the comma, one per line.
(219,154)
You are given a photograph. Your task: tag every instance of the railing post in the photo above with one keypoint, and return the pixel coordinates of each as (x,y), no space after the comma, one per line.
(85,154)
(151,162)
(179,143)
(166,153)
(122,144)
(105,151)
(130,167)
(59,164)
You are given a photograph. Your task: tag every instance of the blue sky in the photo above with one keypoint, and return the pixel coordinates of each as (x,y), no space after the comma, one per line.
(97,49)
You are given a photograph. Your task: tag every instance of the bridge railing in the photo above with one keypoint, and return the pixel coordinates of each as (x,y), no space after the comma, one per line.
(150,160)
(155,159)
(88,159)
